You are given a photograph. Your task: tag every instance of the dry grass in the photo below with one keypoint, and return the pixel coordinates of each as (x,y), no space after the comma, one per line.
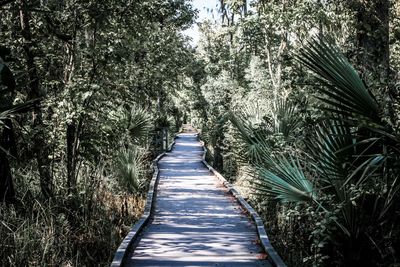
(66,231)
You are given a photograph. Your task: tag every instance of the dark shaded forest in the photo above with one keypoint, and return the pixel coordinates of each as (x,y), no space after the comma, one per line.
(297,102)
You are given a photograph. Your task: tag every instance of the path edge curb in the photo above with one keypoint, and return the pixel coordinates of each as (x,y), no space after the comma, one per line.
(273,256)
(126,243)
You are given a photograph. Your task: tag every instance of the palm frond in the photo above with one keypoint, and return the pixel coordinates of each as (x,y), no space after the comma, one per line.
(253,140)
(285,181)
(341,157)
(331,148)
(286,119)
(6,112)
(137,122)
(129,170)
(343,90)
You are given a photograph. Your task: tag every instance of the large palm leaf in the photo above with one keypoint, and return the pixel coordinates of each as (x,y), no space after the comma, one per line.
(276,175)
(129,169)
(341,155)
(286,118)
(8,111)
(343,90)
(331,147)
(253,139)
(285,180)
(137,122)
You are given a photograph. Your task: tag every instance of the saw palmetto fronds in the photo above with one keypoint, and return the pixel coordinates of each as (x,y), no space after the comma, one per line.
(343,90)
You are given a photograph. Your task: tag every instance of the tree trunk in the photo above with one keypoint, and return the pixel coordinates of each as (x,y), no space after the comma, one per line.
(7,142)
(218,162)
(74,131)
(71,156)
(40,147)
(373,55)
(372,22)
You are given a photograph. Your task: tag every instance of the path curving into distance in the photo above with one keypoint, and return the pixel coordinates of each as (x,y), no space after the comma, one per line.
(196,222)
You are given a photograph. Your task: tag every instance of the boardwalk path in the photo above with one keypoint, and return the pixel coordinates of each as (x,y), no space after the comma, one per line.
(196,223)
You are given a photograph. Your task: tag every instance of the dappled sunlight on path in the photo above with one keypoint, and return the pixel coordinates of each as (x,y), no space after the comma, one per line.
(196,222)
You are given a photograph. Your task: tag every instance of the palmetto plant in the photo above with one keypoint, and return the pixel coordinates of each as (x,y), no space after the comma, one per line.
(351,156)
(255,129)
(8,111)
(130,169)
(342,88)
(135,125)
(354,134)
(132,123)
(285,118)
(137,122)
(278,175)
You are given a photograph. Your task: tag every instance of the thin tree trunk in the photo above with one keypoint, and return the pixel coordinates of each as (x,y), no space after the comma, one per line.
(72,129)
(71,156)
(40,147)
(7,142)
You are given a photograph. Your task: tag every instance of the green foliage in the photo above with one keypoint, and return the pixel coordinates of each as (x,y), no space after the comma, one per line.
(136,122)
(104,71)
(325,147)
(287,182)
(284,118)
(343,90)
(129,167)
(37,232)
(344,161)
(319,157)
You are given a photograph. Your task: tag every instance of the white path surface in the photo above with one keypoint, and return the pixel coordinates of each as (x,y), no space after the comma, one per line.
(196,222)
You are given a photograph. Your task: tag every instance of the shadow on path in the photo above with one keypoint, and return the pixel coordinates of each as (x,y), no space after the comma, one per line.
(196,222)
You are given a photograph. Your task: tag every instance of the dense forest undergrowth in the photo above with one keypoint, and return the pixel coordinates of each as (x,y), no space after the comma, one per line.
(88,97)
(297,102)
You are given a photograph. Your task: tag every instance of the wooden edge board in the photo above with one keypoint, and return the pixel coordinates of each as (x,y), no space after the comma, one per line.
(273,256)
(123,248)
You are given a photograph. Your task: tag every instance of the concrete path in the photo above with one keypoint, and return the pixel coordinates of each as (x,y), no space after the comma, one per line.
(196,222)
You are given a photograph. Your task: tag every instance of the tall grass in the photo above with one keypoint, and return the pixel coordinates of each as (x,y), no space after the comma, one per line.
(69,230)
